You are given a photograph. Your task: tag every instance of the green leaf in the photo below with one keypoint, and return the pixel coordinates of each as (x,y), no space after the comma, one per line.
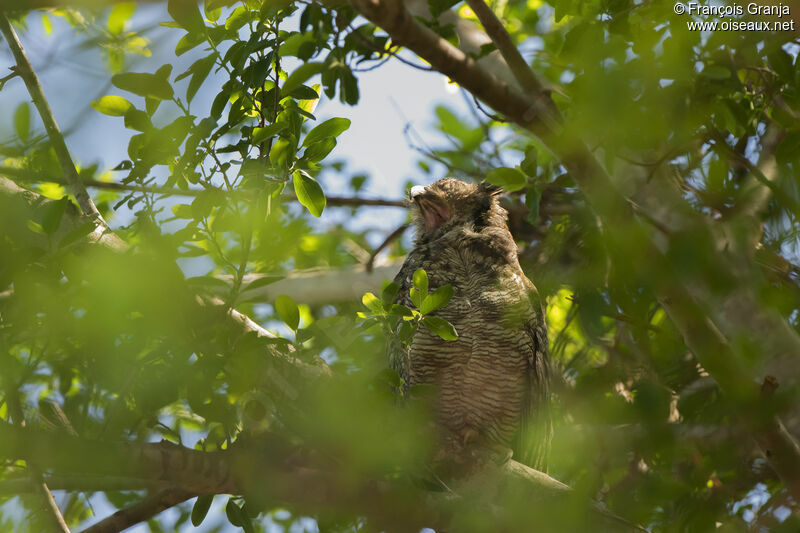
(307,104)
(532,198)
(781,63)
(280,152)
(389,377)
(401,310)
(450,124)
(238,18)
(510,179)
(187,14)
(416,296)
(528,165)
(47,24)
(716,72)
(319,150)
(300,75)
(200,509)
(330,128)
(389,293)
(205,201)
(262,134)
(308,192)
(136,119)
(441,327)
(304,92)
(200,70)
(151,104)
(53,214)
(22,121)
(437,299)
(115,106)
(406,331)
(372,302)
(144,84)
(119,15)
(438,7)
(420,281)
(183,211)
(295,42)
(247,523)
(234,513)
(187,42)
(288,311)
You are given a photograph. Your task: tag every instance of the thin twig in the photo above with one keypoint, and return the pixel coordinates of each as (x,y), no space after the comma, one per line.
(386,242)
(331,201)
(7,78)
(56,519)
(386,51)
(25,70)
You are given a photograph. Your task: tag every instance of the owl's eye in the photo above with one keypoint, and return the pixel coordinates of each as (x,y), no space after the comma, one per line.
(490,189)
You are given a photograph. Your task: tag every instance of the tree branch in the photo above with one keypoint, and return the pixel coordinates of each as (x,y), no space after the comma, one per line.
(25,70)
(500,37)
(274,473)
(140,511)
(52,511)
(331,201)
(81,483)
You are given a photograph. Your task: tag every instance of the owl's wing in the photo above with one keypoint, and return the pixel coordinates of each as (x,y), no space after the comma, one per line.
(532,442)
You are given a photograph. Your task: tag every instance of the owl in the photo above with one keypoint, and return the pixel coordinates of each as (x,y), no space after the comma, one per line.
(490,386)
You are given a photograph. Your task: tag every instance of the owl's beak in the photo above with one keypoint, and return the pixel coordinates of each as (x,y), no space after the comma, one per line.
(415,191)
(433,213)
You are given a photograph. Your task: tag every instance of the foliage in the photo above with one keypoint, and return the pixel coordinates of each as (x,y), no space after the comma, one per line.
(698,131)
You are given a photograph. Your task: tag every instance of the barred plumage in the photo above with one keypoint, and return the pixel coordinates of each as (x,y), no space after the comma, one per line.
(492,383)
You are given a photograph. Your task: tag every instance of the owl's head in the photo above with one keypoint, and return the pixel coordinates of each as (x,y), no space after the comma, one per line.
(449,203)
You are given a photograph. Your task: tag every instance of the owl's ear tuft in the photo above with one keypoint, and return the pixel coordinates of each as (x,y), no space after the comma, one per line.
(491,190)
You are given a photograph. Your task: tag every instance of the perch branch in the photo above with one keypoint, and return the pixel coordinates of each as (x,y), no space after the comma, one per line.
(306,487)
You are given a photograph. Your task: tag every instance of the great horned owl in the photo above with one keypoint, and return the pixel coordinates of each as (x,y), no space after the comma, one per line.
(492,382)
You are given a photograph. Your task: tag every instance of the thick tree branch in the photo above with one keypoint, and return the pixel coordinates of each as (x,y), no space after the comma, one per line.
(273,473)
(81,483)
(25,70)
(72,219)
